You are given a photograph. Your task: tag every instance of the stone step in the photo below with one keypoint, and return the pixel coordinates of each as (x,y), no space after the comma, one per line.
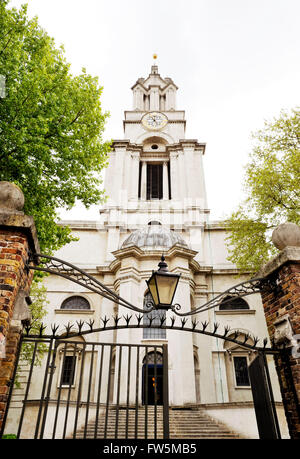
(184,424)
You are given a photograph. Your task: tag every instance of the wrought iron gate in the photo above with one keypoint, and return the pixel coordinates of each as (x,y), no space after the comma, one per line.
(90,390)
(264,405)
(107,390)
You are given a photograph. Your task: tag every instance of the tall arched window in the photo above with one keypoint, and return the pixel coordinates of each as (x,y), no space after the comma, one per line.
(152,333)
(75,302)
(233,303)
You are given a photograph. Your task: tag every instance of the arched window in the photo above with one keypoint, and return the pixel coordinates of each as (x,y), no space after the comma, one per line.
(75,302)
(233,303)
(154,222)
(151,332)
(153,358)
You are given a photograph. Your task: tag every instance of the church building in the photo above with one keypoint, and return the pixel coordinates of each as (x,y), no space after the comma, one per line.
(157,205)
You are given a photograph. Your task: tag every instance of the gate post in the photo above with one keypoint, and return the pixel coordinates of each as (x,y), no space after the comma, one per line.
(282,312)
(17,237)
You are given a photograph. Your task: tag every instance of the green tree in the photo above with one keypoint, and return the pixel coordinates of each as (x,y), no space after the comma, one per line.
(51,126)
(272,185)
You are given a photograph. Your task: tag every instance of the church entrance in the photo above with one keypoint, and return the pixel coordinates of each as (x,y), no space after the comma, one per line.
(152,379)
(152,385)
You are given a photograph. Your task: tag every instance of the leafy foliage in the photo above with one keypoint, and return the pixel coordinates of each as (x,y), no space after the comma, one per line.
(272,183)
(51,126)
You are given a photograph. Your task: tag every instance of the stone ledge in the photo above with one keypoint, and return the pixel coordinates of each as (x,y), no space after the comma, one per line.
(236,312)
(23,223)
(240,404)
(287,255)
(74,311)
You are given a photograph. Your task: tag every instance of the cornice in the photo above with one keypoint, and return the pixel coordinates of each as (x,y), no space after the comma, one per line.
(126,145)
(148,89)
(179,147)
(79,224)
(192,143)
(128,251)
(149,156)
(120,143)
(139,122)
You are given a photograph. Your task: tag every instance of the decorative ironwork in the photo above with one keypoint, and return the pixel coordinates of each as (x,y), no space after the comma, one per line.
(92,412)
(135,321)
(71,272)
(53,265)
(240,290)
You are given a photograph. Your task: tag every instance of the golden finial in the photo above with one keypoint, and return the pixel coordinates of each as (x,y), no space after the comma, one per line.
(154,56)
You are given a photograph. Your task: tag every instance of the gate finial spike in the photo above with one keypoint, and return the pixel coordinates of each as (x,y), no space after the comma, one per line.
(54,329)
(127,318)
(105,320)
(139,318)
(204,325)
(194,323)
(173,321)
(116,319)
(80,325)
(216,326)
(183,322)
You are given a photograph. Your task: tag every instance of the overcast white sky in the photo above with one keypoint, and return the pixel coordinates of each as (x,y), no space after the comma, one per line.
(236,63)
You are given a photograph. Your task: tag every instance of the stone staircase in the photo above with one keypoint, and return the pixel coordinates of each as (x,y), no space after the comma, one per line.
(196,424)
(184,424)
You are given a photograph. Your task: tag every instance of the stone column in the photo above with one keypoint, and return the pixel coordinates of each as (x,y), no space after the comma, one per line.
(134,175)
(17,237)
(154,99)
(120,152)
(144,181)
(165,181)
(282,311)
(174,175)
(181,177)
(189,168)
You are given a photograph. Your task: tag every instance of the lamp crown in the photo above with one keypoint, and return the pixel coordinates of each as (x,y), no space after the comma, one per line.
(163,265)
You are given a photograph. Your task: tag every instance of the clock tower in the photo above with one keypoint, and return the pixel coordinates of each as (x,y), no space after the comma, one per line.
(154,173)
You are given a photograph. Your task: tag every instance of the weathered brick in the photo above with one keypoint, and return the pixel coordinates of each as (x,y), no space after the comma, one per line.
(13,252)
(286,301)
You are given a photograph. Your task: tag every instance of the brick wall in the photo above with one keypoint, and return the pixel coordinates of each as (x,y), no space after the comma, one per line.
(283,300)
(13,276)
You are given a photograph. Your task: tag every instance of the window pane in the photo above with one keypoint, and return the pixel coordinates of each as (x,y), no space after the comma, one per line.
(75,302)
(241,371)
(154,181)
(153,333)
(233,303)
(68,370)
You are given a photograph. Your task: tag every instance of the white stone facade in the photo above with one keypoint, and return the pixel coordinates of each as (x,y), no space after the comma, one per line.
(201,368)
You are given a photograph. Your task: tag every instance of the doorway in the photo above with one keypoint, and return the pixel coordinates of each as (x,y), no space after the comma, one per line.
(152,379)
(152,384)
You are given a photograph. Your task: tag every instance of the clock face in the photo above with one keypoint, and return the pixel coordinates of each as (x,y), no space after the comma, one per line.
(154,121)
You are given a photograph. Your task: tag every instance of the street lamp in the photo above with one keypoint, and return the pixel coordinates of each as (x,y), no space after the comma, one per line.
(162,286)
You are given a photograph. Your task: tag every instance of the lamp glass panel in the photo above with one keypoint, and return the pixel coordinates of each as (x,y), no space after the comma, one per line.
(153,291)
(166,286)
